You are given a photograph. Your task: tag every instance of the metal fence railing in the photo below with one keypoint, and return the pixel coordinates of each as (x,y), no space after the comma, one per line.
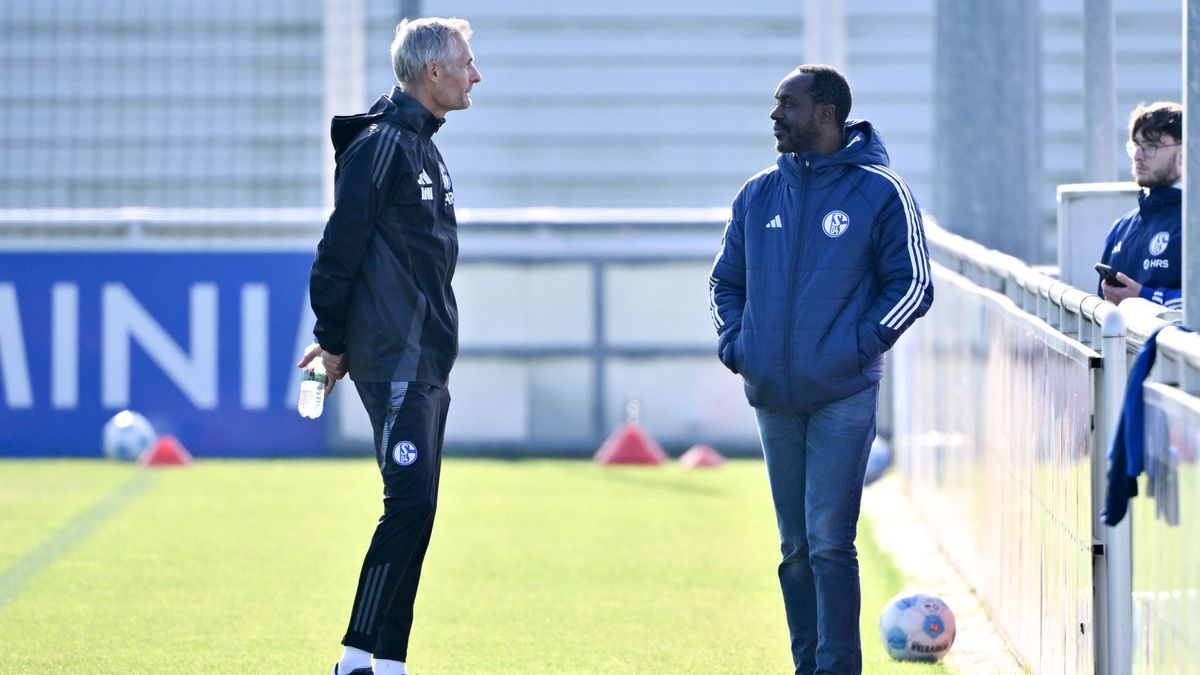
(1007,396)
(993,425)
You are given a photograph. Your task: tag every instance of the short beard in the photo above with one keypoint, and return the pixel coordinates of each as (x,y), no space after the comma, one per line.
(1156,180)
(797,143)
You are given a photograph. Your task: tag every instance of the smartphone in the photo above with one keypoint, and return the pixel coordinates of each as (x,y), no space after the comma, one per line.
(1109,275)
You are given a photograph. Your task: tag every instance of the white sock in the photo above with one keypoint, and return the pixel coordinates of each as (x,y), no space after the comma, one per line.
(352,659)
(386,667)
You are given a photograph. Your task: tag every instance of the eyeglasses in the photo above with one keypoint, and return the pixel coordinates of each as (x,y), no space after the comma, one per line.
(1149,150)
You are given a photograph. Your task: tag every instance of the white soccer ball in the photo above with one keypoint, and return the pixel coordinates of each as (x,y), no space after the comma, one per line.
(127,435)
(916,627)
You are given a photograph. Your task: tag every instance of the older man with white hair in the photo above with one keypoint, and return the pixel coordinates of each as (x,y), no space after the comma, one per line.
(386,314)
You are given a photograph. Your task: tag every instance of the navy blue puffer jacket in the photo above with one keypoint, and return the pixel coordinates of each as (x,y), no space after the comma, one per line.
(822,266)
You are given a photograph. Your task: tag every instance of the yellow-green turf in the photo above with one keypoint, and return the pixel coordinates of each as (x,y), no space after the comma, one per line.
(536,566)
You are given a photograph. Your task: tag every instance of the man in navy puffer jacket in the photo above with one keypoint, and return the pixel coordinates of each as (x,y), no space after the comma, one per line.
(822,266)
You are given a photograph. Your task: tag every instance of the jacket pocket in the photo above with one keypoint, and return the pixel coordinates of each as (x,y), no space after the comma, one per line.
(739,355)
(731,354)
(869,345)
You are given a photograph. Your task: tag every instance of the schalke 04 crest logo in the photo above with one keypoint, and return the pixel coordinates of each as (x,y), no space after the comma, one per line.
(404,453)
(835,223)
(1159,243)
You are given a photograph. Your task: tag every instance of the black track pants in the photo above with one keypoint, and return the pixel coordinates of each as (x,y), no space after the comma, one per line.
(409,420)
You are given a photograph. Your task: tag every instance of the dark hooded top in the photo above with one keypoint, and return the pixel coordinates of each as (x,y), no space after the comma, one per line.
(380,284)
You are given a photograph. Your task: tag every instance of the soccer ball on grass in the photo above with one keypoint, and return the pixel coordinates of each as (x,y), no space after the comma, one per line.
(127,435)
(916,627)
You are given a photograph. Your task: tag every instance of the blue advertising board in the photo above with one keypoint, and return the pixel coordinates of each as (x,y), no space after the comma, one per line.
(204,344)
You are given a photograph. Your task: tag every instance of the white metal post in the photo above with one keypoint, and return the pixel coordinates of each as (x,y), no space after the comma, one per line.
(825,32)
(1099,92)
(344,64)
(1114,570)
(1191,168)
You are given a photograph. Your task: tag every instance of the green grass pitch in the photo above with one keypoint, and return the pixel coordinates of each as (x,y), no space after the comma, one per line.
(536,566)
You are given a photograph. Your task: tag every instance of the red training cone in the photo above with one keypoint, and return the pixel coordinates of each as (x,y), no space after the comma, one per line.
(168,451)
(630,445)
(700,455)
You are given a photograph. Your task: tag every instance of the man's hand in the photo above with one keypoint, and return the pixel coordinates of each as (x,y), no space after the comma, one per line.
(1115,294)
(335,365)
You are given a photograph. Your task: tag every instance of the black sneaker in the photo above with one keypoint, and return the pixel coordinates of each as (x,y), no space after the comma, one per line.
(356,671)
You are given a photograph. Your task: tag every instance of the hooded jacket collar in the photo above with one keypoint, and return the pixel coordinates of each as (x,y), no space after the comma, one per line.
(861,144)
(396,107)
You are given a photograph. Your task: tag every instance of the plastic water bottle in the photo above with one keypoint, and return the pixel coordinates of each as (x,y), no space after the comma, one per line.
(312,390)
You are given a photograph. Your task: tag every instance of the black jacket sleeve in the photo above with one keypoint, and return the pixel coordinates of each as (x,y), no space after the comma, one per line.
(359,191)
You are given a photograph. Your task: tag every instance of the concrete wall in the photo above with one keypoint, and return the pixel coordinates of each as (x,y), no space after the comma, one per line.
(1086,212)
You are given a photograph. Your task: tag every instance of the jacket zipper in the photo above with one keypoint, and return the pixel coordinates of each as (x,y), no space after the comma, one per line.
(791,296)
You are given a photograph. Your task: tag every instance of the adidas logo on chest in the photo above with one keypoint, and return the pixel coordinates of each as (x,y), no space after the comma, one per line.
(426,186)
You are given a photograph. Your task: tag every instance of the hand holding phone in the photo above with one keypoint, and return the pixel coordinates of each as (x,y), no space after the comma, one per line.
(1109,275)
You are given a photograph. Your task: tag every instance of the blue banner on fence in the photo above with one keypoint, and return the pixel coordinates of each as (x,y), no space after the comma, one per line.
(204,344)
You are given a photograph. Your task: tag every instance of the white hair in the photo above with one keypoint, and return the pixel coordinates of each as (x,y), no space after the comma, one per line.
(420,42)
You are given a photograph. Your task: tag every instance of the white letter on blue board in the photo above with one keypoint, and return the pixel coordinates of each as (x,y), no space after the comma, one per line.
(64,364)
(124,320)
(255,370)
(13,364)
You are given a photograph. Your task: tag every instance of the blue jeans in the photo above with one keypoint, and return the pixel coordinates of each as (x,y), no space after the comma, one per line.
(815,464)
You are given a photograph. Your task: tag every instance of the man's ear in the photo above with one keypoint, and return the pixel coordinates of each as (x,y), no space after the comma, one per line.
(828,113)
(432,71)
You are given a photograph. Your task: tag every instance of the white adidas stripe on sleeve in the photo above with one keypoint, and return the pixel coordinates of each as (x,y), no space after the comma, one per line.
(917,255)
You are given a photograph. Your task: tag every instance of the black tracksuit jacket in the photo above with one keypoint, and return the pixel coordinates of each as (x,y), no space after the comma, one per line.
(380,284)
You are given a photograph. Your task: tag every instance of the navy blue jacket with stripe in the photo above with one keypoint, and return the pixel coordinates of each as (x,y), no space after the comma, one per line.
(380,283)
(822,266)
(1146,245)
